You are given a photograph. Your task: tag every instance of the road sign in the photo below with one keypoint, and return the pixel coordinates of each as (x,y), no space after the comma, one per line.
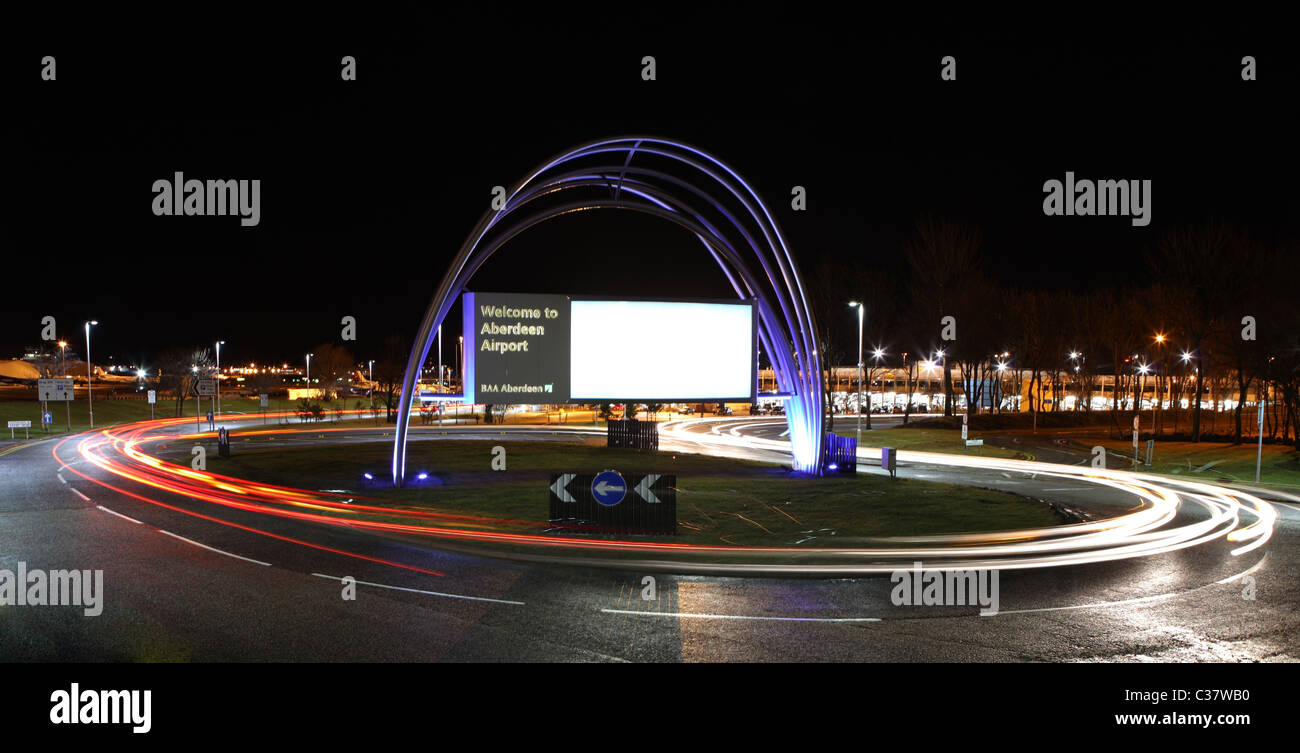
(153,396)
(963,429)
(560,488)
(207,387)
(608,488)
(54,390)
(47,417)
(974,443)
(209,416)
(643,489)
(262,399)
(24,425)
(648,503)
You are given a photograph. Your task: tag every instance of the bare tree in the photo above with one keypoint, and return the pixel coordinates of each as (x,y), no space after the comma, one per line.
(944,257)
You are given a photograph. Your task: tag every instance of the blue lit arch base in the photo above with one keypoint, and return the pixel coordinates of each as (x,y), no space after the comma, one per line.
(682,184)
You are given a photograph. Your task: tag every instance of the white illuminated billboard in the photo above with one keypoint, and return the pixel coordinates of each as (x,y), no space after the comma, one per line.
(661,350)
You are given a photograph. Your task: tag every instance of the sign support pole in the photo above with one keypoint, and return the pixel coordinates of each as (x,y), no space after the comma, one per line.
(1259,451)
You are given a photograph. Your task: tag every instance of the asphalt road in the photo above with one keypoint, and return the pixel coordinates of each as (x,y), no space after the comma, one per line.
(236,585)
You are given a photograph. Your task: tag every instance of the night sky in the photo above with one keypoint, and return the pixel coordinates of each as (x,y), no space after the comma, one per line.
(369,187)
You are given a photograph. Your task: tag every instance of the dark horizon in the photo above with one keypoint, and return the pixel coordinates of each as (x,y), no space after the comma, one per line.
(362,208)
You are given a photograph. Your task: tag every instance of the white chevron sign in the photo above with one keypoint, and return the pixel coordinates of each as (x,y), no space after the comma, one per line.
(559,487)
(643,488)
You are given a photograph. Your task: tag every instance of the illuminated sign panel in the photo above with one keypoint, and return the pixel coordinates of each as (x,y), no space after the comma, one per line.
(520,351)
(663,351)
(551,349)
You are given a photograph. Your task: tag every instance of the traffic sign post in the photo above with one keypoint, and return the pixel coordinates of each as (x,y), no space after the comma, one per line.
(56,390)
(24,425)
(202,388)
(153,398)
(263,400)
(1259,451)
(611,501)
(1136,423)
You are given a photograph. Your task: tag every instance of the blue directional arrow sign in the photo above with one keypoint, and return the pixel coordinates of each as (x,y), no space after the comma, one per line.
(47,417)
(608,488)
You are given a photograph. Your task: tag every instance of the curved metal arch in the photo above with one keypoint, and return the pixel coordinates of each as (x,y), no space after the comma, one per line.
(786,321)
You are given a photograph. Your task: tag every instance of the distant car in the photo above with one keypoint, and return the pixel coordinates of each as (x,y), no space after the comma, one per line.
(686,410)
(724,410)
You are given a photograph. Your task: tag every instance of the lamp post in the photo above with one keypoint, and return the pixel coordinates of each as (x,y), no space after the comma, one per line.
(1159,361)
(439,387)
(460,361)
(217,406)
(907,376)
(878,354)
(940,360)
(1259,447)
(90,376)
(198,401)
(1074,356)
(371,369)
(309,355)
(862,313)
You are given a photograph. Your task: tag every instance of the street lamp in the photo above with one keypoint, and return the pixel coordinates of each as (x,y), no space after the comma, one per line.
(217,405)
(90,376)
(1145,369)
(862,312)
(309,355)
(878,354)
(372,369)
(1002,370)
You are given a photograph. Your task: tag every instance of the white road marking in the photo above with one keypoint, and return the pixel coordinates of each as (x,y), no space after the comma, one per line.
(120,515)
(1138,600)
(740,616)
(62,480)
(79,494)
(420,591)
(1069,489)
(1257,566)
(1086,606)
(214,549)
(1287,504)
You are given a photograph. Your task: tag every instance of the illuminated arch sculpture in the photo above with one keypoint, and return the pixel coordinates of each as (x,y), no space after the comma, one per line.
(685,185)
